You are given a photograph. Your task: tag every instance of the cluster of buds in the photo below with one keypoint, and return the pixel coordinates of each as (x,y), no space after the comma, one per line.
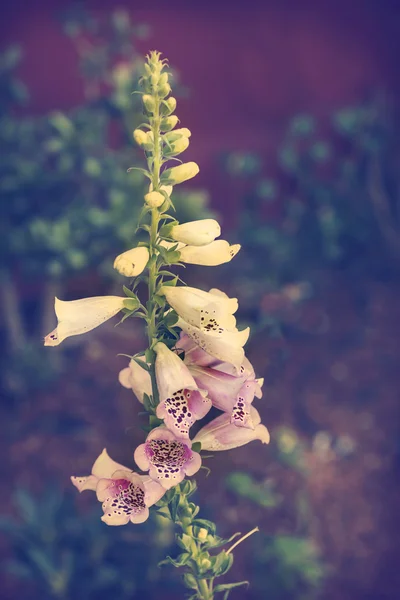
(195,360)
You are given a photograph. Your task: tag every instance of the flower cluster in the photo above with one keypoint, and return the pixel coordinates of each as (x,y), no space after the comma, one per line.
(195,359)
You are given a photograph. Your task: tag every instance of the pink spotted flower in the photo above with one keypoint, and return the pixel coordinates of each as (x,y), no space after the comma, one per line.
(230,391)
(125,495)
(182,401)
(167,457)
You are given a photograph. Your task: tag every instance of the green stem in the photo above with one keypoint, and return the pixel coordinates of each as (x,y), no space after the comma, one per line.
(204,592)
(155,218)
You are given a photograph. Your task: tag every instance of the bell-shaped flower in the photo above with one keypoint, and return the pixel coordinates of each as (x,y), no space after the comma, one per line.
(125,496)
(221,434)
(225,345)
(80,316)
(168,458)
(132,262)
(228,390)
(210,255)
(209,311)
(182,402)
(196,233)
(137,379)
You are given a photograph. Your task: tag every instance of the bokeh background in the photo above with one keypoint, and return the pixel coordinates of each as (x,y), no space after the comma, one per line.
(293,107)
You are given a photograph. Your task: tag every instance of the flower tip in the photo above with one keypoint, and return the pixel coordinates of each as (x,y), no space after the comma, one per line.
(263,434)
(52,338)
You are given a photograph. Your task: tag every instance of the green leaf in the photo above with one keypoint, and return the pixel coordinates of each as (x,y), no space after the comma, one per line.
(147,403)
(196,447)
(179,561)
(170,320)
(171,282)
(129,292)
(145,173)
(190,581)
(150,355)
(160,300)
(141,363)
(222,563)
(205,524)
(131,303)
(229,586)
(155,421)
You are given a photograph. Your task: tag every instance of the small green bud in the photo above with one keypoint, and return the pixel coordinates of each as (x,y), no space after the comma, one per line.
(154,79)
(149,103)
(205,564)
(168,123)
(172,136)
(180,174)
(154,199)
(163,79)
(164,90)
(168,106)
(202,535)
(177,147)
(142,139)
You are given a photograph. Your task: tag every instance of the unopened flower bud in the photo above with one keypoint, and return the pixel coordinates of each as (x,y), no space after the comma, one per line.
(164,90)
(163,79)
(154,199)
(169,123)
(172,136)
(132,262)
(180,173)
(149,103)
(177,147)
(142,139)
(168,106)
(202,535)
(154,78)
(205,564)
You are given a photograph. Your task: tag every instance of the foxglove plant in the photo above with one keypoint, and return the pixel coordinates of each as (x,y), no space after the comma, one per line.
(195,359)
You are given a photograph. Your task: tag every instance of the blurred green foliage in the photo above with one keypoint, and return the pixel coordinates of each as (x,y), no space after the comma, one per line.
(332,201)
(286,565)
(59,553)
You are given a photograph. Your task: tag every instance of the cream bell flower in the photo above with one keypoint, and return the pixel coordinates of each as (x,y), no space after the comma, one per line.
(181,401)
(125,495)
(132,262)
(137,379)
(180,173)
(221,434)
(80,316)
(196,233)
(209,311)
(211,255)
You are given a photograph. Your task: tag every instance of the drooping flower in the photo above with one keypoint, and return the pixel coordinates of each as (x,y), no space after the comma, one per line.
(196,233)
(211,255)
(80,316)
(209,311)
(168,458)
(125,495)
(182,402)
(132,262)
(226,346)
(228,390)
(221,434)
(137,379)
